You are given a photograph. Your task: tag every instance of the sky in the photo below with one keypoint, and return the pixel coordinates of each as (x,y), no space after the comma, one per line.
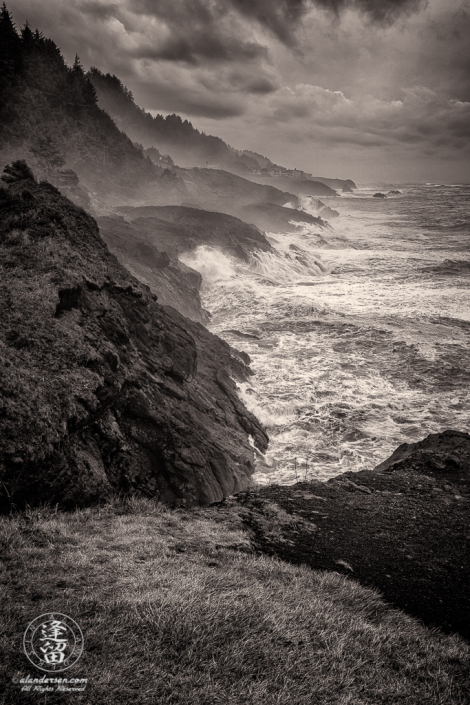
(373,90)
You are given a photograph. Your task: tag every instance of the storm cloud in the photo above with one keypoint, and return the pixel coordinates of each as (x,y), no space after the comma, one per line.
(307,82)
(281,17)
(284,16)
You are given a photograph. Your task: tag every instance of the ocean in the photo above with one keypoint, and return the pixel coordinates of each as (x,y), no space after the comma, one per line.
(358,332)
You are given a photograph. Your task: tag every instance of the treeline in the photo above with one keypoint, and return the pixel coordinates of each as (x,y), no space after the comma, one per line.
(49,115)
(169,134)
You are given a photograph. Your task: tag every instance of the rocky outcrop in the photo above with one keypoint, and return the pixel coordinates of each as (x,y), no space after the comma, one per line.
(218,190)
(178,229)
(173,282)
(402,528)
(379,195)
(444,456)
(278,219)
(305,187)
(149,239)
(101,388)
(344,185)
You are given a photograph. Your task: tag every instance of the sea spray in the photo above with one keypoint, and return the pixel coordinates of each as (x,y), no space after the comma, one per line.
(212,263)
(360,335)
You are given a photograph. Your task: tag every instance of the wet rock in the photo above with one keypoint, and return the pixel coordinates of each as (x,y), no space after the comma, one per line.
(170,280)
(240,334)
(177,229)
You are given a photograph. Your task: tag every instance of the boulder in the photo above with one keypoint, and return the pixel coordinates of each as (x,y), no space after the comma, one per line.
(440,455)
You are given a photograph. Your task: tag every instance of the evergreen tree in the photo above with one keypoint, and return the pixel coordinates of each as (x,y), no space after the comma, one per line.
(10,50)
(50,110)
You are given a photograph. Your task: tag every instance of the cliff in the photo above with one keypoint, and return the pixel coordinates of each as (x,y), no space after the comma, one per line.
(149,245)
(102,388)
(173,282)
(49,116)
(179,229)
(170,134)
(345,185)
(219,190)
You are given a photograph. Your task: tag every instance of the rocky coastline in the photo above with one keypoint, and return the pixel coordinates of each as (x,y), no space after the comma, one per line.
(104,391)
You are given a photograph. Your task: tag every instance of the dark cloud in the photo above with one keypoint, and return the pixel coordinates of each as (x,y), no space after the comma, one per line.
(188,31)
(100,10)
(193,48)
(283,17)
(280,16)
(421,119)
(261,86)
(444,59)
(382,12)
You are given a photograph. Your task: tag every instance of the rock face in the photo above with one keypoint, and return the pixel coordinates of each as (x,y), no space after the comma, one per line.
(345,185)
(218,190)
(305,187)
(102,388)
(173,282)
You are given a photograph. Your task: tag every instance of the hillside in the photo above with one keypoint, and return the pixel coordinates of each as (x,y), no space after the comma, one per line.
(49,115)
(278,219)
(218,190)
(102,388)
(401,528)
(178,607)
(346,185)
(173,282)
(189,147)
(180,229)
(170,135)
(297,186)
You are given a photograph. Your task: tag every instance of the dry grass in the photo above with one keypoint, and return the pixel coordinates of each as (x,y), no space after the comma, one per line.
(175,609)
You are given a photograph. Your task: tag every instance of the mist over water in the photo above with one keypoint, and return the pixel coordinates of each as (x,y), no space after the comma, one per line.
(359,332)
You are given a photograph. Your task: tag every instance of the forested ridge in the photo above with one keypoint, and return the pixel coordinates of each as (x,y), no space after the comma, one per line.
(169,134)
(49,114)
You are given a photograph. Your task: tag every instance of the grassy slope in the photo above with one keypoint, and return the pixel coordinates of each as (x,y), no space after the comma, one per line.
(176,609)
